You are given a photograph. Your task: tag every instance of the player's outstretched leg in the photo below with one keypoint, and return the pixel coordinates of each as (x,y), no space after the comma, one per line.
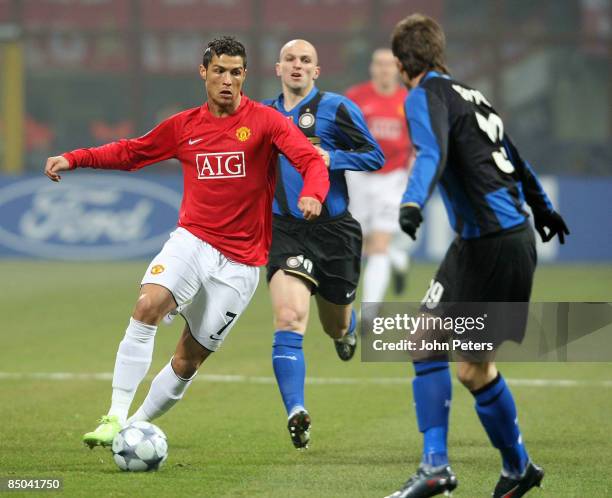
(166,390)
(432,394)
(290,371)
(131,365)
(291,303)
(132,361)
(497,412)
(170,384)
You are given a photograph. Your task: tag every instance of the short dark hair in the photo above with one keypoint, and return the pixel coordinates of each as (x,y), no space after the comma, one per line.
(418,42)
(227,45)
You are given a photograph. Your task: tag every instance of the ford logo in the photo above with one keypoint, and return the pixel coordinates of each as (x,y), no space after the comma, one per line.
(87,217)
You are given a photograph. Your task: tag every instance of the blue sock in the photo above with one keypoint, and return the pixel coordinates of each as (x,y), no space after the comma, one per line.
(289,367)
(432,395)
(497,412)
(353,324)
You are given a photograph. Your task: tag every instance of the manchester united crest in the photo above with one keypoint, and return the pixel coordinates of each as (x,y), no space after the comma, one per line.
(157,269)
(243,133)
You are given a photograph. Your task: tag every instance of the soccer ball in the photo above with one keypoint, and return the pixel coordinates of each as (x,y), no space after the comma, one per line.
(140,447)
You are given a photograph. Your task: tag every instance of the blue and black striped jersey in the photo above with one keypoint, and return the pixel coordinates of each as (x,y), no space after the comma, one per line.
(340,126)
(461,145)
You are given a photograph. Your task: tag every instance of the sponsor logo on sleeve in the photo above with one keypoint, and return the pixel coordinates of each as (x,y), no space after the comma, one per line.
(157,269)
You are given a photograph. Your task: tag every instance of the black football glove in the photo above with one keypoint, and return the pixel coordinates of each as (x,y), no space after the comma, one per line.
(409,219)
(555,224)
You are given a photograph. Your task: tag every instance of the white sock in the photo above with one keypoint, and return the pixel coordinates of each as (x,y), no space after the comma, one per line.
(131,365)
(166,390)
(400,261)
(376,278)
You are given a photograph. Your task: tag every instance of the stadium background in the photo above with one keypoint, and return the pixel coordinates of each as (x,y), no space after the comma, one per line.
(83,72)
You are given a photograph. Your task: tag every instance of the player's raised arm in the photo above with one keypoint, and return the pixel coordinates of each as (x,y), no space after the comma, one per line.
(289,140)
(545,216)
(361,152)
(128,154)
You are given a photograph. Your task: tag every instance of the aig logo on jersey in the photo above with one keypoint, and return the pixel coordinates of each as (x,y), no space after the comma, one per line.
(220,165)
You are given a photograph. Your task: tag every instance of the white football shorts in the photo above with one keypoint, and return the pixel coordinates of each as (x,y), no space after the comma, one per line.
(211,290)
(375,199)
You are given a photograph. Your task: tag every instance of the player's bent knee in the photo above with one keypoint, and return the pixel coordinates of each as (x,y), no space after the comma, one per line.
(290,318)
(152,305)
(146,311)
(475,375)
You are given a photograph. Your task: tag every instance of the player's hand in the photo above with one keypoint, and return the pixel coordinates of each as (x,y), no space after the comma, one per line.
(409,219)
(54,166)
(310,207)
(554,223)
(323,153)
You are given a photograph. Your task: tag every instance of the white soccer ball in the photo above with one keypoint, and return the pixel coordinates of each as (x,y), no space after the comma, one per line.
(140,447)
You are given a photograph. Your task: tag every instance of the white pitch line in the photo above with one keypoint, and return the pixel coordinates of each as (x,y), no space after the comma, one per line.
(245,379)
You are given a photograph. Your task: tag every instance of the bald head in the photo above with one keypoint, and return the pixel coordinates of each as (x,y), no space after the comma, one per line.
(297,67)
(300,47)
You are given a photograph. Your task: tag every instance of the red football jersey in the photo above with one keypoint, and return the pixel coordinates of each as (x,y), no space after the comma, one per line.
(229,171)
(386,120)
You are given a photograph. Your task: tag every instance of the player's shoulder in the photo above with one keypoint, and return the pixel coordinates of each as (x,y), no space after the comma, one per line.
(444,85)
(184,116)
(434,82)
(456,95)
(187,113)
(333,101)
(264,107)
(268,102)
(434,85)
(264,111)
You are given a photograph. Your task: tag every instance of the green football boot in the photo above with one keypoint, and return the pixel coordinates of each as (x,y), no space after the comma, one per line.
(105,433)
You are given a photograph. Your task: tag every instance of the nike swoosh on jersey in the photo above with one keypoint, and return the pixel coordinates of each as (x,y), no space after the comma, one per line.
(193,142)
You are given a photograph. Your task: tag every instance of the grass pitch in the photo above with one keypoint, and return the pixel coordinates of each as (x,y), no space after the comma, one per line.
(228,437)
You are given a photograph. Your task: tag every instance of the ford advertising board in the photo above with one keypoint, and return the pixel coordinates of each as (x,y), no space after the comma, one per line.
(86,217)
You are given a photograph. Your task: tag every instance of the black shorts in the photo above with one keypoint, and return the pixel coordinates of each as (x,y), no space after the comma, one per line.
(325,253)
(497,268)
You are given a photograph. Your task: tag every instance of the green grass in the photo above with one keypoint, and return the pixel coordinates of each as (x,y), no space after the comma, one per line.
(229,439)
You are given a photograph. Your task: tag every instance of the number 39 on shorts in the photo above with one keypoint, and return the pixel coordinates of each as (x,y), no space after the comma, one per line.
(433,295)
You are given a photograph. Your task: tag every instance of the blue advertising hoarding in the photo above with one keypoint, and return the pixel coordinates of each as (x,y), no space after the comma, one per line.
(115,216)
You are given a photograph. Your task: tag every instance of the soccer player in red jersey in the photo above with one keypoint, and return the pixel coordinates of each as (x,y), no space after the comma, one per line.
(375,196)
(208,268)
